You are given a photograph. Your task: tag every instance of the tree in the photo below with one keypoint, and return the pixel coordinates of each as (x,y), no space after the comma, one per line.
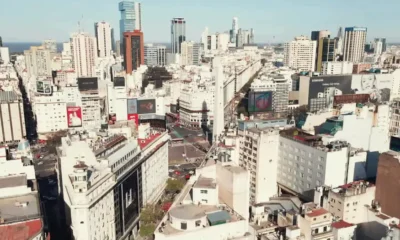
(146,230)
(174,185)
(151,214)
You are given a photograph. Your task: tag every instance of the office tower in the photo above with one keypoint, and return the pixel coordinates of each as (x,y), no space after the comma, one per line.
(243,37)
(134,50)
(235,29)
(84,53)
(178,34)
(113,47)
(204,38)
(131,18)
(339,39)
(326,49)
(38,61)
(300,54)
(316,36)
(354,43)
(103,35)
(1,42)
(155,55)
(251,36)
(379,46)
(218,124)
(50,45)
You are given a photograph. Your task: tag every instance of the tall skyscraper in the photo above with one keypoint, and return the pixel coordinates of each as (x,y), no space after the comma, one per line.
(103,33)
(339,39)
(178,34)
(131,18)
(84,52)
(1,42)
(134,50)
(204,38)
(316,36)
(235,29)
(379,46)
(219,123)
(300,54)
(155,55)
(243,37)
(326,49)
(354,44)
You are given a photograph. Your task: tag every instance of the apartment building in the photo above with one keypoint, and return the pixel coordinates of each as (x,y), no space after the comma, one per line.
(300,54)
(354,43)
(258,153)
(315,224)
(155,55)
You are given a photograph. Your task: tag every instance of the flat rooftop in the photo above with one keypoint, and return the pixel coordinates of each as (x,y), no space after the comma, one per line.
(20,208)
(203,182)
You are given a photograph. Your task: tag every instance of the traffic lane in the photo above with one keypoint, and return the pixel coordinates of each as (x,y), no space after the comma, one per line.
(176,153)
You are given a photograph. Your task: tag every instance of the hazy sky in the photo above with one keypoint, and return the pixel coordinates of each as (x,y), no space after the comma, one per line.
(33,21)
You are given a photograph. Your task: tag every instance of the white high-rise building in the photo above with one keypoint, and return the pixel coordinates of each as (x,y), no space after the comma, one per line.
(235,29)
(84,49)
(178,34)
(190,53)
(155,55)
(378,47)
(354,44)
(38,61)
(204,38)
(219,123)
(300,54)
(332,68)
(104,40)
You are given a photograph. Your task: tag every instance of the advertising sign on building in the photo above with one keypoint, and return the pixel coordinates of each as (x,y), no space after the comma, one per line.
(146,106)
(43,87)
(74,116)
(88,84)
(134,117)
(131,106)
(260,101)
(378,86)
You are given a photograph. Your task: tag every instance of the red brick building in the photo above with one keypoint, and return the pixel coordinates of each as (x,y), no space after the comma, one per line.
(133,50)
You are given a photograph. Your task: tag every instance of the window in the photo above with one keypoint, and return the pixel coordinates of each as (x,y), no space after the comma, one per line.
(203,191)
(183,225)
(198,223)
(325,228)
(316,231)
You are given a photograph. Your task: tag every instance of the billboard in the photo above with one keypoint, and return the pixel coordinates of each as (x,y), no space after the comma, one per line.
(43,87)
(378,86)
(132,105)
(145,106)
(88,84)
(74,116)
(134,117)
(129,193)
(260,101)
(350,98)
(119,82)
(322,90)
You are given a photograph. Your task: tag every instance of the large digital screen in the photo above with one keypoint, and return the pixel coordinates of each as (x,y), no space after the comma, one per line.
(119,82)
(260,101)
(132,105)
(74,116)
(88,84)
(145,106)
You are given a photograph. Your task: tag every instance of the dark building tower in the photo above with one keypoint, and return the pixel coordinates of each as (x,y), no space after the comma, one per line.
(1,42)
(325,51)
(133,50)
(178,34)
(317,36)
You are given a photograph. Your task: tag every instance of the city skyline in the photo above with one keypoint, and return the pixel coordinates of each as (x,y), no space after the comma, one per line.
(272,21)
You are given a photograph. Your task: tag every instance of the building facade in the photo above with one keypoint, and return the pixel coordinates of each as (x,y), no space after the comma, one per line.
(300,54)
(155,55)
(134,50)
(178,34)
(326,52)
(84,52)
(103,33)
(336,68)
(38,61)
(190,53)
(12,118)
(354,43)
(131,18)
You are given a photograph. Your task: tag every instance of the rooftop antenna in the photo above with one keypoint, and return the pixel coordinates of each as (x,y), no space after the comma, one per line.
(80,30)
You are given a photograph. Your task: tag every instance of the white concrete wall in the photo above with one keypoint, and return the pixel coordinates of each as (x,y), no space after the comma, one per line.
(205,196)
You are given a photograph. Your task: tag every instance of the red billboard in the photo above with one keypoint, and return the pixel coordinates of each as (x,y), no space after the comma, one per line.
(134,117)
(74,116)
